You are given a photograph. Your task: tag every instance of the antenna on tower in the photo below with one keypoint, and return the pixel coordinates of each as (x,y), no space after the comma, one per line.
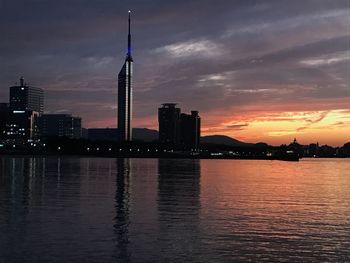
(129,35)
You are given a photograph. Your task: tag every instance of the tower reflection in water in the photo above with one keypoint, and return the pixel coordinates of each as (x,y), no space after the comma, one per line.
(178,209)
(122,202)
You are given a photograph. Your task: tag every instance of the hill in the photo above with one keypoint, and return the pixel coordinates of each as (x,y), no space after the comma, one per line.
(223,140)
(149,135)
(144,134)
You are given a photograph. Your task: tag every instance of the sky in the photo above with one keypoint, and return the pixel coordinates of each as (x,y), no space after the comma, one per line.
(258,71)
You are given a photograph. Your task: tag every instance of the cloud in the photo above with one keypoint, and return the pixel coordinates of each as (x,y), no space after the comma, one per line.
(327,60)
(280,133)
(201,48)
(238,126)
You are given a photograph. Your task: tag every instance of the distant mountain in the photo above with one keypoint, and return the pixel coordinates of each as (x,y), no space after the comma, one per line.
(111,134)
(261,145)
(223,140)
(149,135)
(144,134)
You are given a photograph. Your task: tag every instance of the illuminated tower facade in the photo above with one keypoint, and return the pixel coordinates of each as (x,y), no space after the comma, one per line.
(125,95)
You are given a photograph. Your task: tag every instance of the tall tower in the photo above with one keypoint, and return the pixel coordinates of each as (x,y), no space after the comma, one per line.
(125,95)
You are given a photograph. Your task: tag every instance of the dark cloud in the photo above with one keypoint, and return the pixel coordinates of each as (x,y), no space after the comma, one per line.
(238,126)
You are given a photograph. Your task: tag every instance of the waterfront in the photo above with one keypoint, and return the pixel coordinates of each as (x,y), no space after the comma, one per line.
(163,210)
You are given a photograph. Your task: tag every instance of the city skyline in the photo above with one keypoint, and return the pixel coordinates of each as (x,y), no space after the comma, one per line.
(267,71)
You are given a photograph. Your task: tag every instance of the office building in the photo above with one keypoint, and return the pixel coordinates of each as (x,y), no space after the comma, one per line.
(26,103)
(125,95)
(26,98)
(62,125)
(190,130)
(169,124)
(22,125)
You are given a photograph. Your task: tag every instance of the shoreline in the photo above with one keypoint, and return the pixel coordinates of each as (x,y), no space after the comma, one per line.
(154,156)
(167,155)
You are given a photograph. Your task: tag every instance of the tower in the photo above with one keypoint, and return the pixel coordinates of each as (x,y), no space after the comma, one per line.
(125,94)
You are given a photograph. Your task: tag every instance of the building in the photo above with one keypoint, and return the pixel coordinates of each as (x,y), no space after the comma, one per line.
(179,130)
(26,104)
(22,125)
(62,125)
(190,130)
(313,149)
(26,98)
(4,111)
(125,95)
(169,124)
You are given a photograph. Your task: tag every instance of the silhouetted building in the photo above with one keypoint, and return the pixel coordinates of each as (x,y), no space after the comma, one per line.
(62,125)
(84,133)
(4,112)
(326,151)
(296,148)
(169,124)
(22,125)
(345,150)
(313,149)
(26,98)
(178,129)
(190,127)
(125,95)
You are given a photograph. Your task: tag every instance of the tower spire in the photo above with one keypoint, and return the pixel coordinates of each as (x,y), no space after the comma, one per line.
(129,37)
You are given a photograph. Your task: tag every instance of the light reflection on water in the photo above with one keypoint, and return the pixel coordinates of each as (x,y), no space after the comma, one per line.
(148,210)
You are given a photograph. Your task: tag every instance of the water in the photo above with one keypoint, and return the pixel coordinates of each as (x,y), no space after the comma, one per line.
(148,210)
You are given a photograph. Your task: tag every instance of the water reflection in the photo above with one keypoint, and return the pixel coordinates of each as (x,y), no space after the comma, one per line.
(148,210)
(122,202)
(21,181)
(30,198)
(178,209)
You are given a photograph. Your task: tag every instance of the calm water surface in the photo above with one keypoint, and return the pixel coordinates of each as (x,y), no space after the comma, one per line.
(149,210)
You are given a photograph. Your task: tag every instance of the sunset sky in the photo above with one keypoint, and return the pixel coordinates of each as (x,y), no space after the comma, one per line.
(255,70)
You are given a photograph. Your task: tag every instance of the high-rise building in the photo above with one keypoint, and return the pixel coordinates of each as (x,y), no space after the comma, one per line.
(125,95)
(178,129)
(25,106)
(190,130)
(26,98)
(62,125)
(169,120)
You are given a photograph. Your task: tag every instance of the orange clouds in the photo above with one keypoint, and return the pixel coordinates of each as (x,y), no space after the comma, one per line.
(327,127)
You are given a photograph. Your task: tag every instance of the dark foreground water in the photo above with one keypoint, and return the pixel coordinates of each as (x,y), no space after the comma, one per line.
(149,210)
